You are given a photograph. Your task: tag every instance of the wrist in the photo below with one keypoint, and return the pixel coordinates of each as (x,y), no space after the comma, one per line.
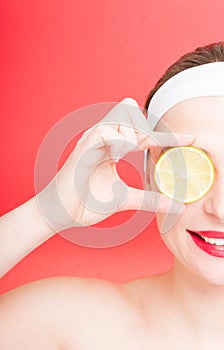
(52,209)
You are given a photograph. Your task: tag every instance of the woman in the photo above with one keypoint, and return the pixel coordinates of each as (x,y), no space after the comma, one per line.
(182,307)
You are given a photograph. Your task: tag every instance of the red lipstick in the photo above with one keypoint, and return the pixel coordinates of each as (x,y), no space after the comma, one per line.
(210,248)
(211,234)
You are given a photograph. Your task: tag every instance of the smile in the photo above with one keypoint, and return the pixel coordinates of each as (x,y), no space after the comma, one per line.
(209,241)
(216,241)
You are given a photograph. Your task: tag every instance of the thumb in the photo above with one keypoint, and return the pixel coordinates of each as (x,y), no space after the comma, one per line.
(138,199)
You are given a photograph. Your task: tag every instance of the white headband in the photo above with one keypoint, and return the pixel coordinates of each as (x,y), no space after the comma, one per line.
(203,80)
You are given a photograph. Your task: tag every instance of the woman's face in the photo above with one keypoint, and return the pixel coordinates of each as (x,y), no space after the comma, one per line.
(204,118)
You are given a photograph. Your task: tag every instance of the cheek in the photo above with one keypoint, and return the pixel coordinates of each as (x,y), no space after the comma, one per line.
(166,223)
(173,238)
(170,223)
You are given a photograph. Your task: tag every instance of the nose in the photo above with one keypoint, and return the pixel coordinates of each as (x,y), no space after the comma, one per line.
(214,200)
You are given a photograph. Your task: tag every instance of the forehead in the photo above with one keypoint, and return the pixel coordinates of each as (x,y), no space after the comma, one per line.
(194,116)
(203,117)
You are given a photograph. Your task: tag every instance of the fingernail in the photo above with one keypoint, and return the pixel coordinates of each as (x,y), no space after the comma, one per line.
(130,101)
(189,136)
(116,158)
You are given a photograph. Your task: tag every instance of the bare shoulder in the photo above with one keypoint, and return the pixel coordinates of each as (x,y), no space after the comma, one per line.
(152,285)
(59,288)
(61,291)
(76,312)
(60,308)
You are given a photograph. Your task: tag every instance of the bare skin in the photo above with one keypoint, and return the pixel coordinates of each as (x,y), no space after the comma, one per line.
(77,313)
(72,313)
(182,307)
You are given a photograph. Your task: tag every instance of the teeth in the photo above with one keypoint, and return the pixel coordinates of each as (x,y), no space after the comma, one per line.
(216,241)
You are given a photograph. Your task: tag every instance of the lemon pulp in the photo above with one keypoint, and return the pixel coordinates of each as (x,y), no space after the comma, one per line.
(184,173)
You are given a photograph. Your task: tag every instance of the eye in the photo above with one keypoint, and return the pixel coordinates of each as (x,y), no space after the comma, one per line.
(184,173)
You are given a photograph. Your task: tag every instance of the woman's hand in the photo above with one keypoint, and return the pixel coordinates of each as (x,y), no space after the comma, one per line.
(88,184)
(87,189)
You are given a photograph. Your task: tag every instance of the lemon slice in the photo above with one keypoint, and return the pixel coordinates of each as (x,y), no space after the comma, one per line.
(184,173)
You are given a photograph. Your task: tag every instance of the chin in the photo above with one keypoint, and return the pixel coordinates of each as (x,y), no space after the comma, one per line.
(211,272)
(208,272)
(204,266)
(211,275)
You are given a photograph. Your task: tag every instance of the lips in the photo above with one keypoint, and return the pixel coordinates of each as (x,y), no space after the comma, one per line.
(212,248)
(209,234)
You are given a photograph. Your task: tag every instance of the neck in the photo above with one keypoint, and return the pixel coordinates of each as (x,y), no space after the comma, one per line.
(200,302)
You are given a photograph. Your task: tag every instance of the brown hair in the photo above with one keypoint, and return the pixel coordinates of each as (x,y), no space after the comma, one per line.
(202,55)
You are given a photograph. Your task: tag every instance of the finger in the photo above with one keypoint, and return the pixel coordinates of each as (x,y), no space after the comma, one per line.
(130,141)
(169,139)
(164,140)
(103,143)
(127,118)
(128,112)
(138,199)
(118,119)
(136,116)
(94,146)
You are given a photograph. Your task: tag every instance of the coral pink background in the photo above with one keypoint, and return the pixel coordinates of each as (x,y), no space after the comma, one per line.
(57,56)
